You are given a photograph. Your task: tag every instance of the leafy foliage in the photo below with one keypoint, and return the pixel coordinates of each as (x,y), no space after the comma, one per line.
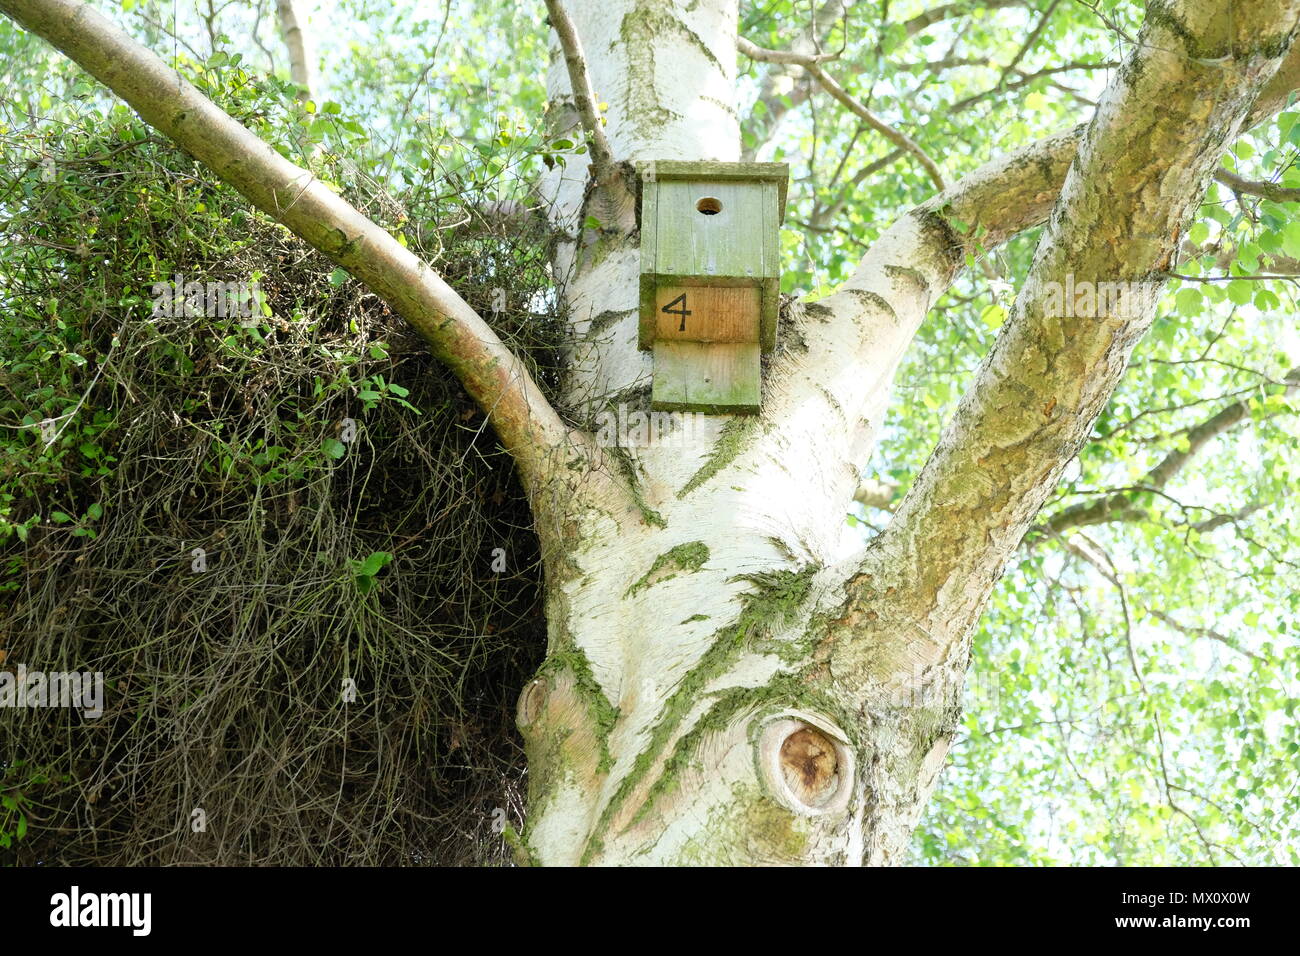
(202,507)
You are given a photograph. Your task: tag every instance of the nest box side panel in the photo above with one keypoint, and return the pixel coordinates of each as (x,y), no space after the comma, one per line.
(771,203)
(649,237)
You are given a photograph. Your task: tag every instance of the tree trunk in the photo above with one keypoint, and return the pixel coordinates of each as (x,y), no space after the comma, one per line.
(730,678)
(683,714)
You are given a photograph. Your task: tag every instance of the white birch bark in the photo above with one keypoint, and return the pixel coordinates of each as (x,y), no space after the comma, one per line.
(302,59)
(733,678)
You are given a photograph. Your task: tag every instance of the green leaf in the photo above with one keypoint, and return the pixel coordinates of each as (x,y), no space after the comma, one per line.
(334,448)
(1239,293)
(1291,240)
(1189,301)
(993,316)
(1286,123)
(374,563)
(1266,301)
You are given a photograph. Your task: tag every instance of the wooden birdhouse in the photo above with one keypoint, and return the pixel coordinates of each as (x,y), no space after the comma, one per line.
(710,280)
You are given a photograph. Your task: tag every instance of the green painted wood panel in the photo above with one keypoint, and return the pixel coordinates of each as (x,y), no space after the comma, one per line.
(707,377)
(730,243)
(654,170)
(772,216)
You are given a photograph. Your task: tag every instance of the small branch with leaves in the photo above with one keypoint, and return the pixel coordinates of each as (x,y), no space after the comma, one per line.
(584,99)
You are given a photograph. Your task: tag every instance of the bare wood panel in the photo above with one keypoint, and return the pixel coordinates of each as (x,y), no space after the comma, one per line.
(707,313)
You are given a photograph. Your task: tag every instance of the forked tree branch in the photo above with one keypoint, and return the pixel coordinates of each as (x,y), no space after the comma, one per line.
(1017,191)
(980,212)
(779,92)
(1151,150)
(812,64)
(1119,506)
(1087,555)
(493,376)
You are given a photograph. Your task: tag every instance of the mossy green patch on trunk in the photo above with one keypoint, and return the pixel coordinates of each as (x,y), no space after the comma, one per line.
(628,467)
(688,557)
(776,597)
(732,440)
(603,714)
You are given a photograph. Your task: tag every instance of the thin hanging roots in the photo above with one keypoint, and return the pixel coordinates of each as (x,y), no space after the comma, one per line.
(272,697)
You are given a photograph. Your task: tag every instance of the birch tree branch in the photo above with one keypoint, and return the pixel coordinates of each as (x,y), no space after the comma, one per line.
(1255,188)
(985,209)
(524,420)
(895,136)
(1120,506)
(874,493)
(1030,42)
(783,57)
(584,100)
(1016,191)
(1087,556)
(950,11)
(1151,150)
(301,68)
(1218,521)
(780,92)
(812,63)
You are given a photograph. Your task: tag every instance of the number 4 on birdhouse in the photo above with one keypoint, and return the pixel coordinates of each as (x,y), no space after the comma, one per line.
(672,309)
